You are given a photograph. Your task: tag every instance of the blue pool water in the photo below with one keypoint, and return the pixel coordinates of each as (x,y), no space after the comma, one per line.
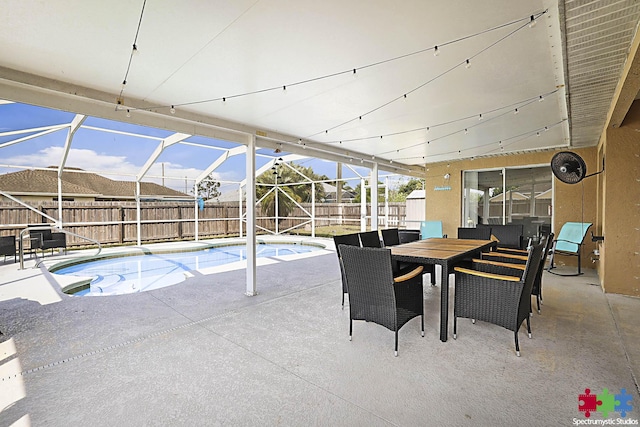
(129,274)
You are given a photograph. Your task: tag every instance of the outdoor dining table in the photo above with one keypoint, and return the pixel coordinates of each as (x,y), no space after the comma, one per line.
(444,252)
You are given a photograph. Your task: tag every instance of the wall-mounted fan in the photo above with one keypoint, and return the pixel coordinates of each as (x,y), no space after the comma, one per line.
(569,167)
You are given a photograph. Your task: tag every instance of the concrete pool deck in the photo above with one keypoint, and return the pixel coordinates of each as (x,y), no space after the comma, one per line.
(202,353)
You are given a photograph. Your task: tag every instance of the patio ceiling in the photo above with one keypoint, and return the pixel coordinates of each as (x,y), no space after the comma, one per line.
(352,80)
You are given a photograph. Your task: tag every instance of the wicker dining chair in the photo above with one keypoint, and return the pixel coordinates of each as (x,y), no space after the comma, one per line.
(503,300)
(477,233)
(375,295)
(350,240)
(370,239)
(520,257)
(390,237)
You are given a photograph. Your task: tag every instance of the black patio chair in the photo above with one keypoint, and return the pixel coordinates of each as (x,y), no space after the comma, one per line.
(350,240)
(375,295)
(505,263)
(408,235)
(499,299)
(370,239)
(477,233)
(390,237)
(8,247)
(46,239)
(508,235)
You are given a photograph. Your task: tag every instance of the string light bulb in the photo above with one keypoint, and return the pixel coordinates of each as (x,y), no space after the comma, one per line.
(468,64)
(172,110)
(532,23)
(436,52)
(466,131)
(480,117)
(516,111)
(541,99)
(128,113)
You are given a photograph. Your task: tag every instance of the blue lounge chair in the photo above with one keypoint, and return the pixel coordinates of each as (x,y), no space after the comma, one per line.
(431,229)
(569,242)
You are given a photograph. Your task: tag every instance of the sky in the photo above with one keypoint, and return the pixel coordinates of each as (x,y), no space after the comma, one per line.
(119,156)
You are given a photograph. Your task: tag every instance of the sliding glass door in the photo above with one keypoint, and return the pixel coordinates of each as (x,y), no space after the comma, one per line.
(509,196)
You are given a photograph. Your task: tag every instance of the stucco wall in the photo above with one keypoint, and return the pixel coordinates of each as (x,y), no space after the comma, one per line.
(620,251)
(447,205)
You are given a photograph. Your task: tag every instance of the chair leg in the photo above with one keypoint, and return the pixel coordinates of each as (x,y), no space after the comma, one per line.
(350,328)
(343,300)
(538,299)
(422,323)
(515,335)
(395,353)
(529,327)
(455,326)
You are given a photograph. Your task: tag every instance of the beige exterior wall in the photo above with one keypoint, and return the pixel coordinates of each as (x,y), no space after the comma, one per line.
(619,268)
(447,205)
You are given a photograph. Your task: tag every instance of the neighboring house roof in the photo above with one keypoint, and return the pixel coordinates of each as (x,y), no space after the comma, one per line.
(45,182)
(515,195)
(330,192)
(545,195)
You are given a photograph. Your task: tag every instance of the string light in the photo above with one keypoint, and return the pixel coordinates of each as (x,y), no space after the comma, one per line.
(172,110)
(466,131)
(436,52)
(516,111)
(134,49)
(468,64)
(128,113)
(532,23)
(354,71)
(520,104)
(541,98)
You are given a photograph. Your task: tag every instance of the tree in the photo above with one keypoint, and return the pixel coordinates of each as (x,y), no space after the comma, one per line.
(409,186)
(358,196)
(209,188)
(287,177)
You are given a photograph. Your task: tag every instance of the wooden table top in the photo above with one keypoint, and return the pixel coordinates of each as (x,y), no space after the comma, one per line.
(438,248)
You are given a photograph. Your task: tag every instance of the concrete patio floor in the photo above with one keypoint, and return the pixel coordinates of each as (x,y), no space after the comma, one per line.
(202,353)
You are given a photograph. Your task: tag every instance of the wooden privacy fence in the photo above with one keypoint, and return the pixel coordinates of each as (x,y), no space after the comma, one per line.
(115,222)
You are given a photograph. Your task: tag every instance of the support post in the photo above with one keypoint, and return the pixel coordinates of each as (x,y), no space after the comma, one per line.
(374,196)
(240,209)
(251,215)
(138,219)
(313,209)
(196,212)
(363,206)
(386,202)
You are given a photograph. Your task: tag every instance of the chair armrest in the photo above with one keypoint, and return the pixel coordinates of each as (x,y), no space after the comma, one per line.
(487,275)
(501,264)
(502,255)
(410,275)
(521,252)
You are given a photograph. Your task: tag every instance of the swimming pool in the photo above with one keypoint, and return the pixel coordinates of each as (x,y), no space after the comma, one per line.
(139,273)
